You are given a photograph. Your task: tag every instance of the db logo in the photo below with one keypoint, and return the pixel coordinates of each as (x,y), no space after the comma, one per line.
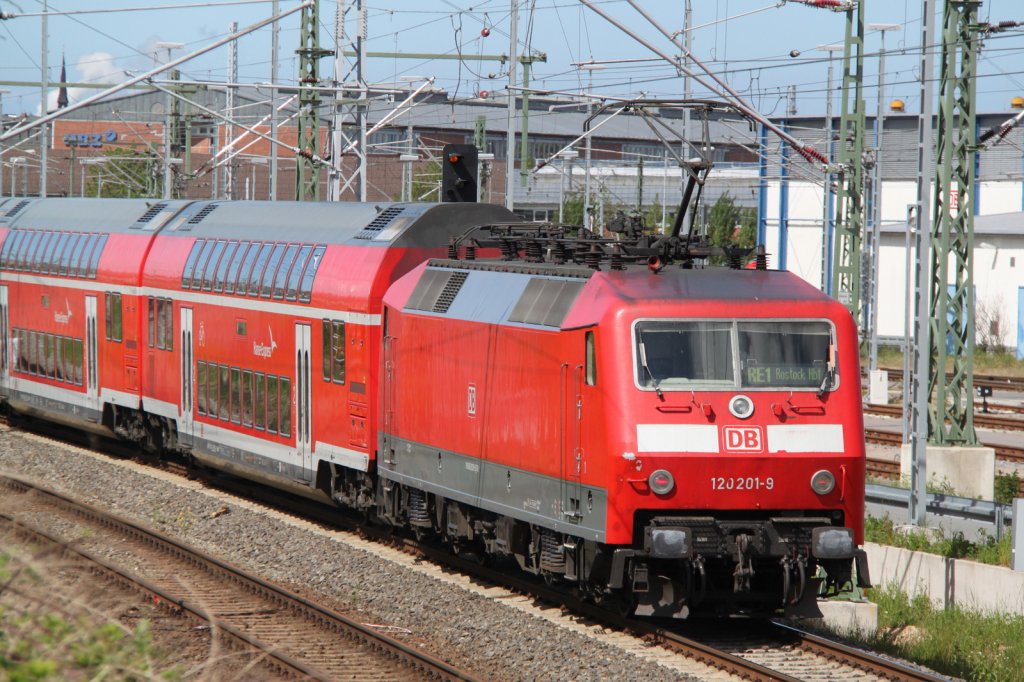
(743,438)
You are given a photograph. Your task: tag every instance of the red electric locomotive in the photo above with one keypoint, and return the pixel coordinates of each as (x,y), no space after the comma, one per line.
(690,440)
(684,439)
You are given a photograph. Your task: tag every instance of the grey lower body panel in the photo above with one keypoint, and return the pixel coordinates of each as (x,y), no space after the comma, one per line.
(564,506)
(59,411)
(255,467)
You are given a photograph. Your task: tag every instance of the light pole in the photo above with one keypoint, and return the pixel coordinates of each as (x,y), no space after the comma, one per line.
(567,157)
(162,45)
(826,210)
(876,217)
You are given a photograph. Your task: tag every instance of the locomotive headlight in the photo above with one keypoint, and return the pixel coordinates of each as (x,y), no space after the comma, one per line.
(741,406)
(661,482)
(823,482)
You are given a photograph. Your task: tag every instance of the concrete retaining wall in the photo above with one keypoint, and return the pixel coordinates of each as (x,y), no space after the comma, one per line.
(948,582)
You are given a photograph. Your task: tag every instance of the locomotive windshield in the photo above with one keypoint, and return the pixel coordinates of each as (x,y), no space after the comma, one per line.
(734,354)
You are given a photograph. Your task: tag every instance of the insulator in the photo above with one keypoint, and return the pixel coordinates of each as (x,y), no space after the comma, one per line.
(508,250)
(453,250)
(734,260)
(559,253)
(762,258)
(593,257)
(617,263)
(534,252)
(471,251)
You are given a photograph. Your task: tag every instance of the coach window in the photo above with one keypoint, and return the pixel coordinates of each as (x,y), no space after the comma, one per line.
(257,269)
(78,355)
(38,246)
(338,352)
(259,409)
(112,315)
(211,266)
(292,288)
(236,395)
(94,259)
(18,250)
(161,324)
(306,285)
(222,267)
(190,263)
(235,266)
(224,401)
(79,256)
(201,387)
(286,406)
(51,360)
(58,355)
(245,272)
(67,251)
(212,396)
(272,404)
(151,320)
(204,258)
(11,245)
(591,360)
(267,284)
(287,263)
(247,397)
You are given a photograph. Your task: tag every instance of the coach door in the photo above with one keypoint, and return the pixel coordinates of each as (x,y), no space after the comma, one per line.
(303,398)
(572,450)
(187,384)
(92,373)
(5,341)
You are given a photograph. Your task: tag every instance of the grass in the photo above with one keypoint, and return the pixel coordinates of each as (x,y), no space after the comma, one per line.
(986,550)
(1001,362)
(951,641)
(46,637)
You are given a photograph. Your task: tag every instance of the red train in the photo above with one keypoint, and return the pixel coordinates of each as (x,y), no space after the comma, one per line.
(681,440)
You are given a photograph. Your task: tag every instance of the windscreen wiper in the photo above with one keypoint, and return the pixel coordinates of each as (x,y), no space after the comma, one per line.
(643,363)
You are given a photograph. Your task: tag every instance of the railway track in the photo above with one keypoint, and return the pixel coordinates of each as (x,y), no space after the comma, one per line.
(1003,383)
(752,651)
(291,635)
(1008,453)
(982,419)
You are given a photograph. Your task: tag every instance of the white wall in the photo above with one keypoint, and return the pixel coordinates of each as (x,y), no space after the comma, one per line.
(998,260)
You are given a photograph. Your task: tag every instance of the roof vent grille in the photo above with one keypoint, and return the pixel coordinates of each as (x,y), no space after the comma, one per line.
(450,291)
(17,208)
(151,213)
(380,221)
(203,212)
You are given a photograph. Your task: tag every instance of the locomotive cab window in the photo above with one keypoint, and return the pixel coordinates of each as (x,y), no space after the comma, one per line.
(591,360)
(730,354)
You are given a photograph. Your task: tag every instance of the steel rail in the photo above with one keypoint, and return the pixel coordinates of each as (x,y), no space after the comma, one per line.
(989,380)
(1009,453)
(983,419)
(312,612)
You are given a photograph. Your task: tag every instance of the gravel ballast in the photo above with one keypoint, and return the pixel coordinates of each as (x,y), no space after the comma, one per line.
(490,638)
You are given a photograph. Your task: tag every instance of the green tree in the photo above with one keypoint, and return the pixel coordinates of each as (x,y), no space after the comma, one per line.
(731,225)
(426,182)
(125,174)
(572,209)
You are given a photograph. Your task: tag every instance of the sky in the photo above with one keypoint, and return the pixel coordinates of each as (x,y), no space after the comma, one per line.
(747,42)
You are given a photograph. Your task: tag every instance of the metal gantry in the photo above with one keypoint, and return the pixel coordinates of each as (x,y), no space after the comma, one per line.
(846,273)
(951,401)
(307,185)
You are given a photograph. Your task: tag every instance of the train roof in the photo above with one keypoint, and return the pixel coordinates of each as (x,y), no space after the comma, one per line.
(566,296)
(388,224)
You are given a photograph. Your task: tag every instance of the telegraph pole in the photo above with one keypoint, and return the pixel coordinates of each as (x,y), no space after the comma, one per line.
(274,56)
